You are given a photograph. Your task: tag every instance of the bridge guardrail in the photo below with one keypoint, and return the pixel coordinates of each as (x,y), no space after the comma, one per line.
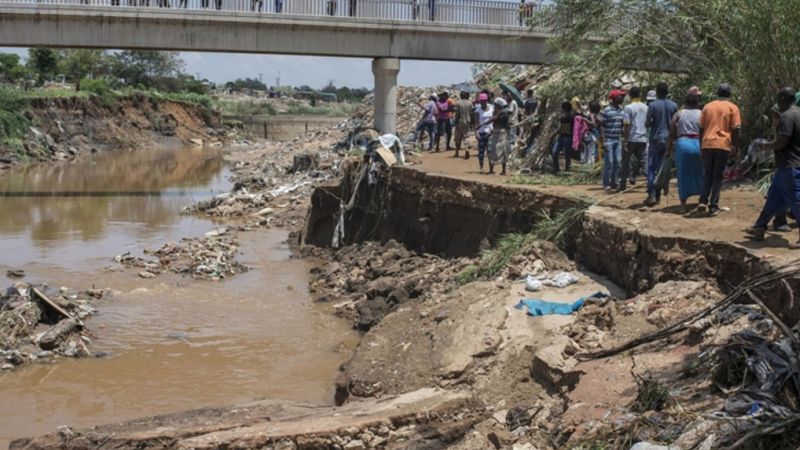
(462,12)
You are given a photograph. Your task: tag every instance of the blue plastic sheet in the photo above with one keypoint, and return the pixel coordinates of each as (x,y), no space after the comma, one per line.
(538,307)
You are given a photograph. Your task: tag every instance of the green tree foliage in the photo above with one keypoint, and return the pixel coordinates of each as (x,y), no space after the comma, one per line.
(240,85)
(44,63)
(150,69)
(11,70)
(78,64)
(12,123)
(751,44)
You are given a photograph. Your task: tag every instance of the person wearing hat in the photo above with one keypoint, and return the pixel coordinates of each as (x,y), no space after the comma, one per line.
(501,135)
(612,120)
(720,124)
(427,122)
(785,187)
(659,119)
(651,97)
(484,113)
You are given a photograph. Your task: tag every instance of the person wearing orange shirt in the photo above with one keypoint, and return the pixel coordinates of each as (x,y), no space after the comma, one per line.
(720,123)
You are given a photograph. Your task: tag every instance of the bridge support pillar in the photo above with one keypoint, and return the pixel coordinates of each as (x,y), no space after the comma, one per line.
(385,71)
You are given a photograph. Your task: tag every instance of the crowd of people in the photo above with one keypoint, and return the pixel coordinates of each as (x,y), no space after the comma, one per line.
(634,135)
(494,119)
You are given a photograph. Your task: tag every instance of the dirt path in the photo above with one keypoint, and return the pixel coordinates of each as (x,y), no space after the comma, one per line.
(744,203)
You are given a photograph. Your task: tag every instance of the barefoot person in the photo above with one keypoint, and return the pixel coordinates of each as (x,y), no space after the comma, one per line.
(785,187)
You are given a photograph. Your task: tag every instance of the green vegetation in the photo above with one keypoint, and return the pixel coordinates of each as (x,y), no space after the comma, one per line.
(246,107)
(13,124)
(553,228)
(751,44)
(580,174)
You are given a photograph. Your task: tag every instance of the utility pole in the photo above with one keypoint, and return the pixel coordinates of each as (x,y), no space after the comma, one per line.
(278,81)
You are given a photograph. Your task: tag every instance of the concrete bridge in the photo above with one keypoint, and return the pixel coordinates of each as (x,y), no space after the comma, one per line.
(385,30)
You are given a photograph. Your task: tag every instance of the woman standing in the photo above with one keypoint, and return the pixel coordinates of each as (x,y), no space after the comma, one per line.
(684,145)
(443,126)
(484,114)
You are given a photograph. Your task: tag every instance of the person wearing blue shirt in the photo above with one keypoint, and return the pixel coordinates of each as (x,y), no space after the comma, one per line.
(659,119)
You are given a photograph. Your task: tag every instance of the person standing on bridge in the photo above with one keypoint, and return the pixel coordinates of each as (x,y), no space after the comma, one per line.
(464,119)
(352,9)
(432,10)
(720,123)
(483,117)
(278,6)
(218,4)
(784,191)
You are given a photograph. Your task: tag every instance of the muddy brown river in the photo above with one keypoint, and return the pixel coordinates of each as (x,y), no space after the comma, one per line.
(174,343)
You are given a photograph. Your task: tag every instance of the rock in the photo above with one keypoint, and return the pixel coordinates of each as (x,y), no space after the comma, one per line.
(15,273)
(145,274)
(649,446)
(6,367)
(550,366)
(52,338)
(355,445)
(264,212)
(216,233)
(502,438)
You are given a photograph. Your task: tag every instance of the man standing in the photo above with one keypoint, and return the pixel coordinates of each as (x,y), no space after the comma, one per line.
(463,117)
(659,119)
(720,124)
(785,188)
(530,106)
(427,122)
(612,119)
(635,131)
(513,122)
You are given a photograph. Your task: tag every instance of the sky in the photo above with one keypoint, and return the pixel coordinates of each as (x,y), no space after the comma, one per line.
(311,70)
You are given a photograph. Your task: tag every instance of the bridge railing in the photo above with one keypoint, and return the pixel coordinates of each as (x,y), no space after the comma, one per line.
(464,12)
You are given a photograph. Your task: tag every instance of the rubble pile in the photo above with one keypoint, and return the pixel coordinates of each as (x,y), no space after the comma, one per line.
(211,257)
(369,280)
(409,108)
(36,324)
(273,181)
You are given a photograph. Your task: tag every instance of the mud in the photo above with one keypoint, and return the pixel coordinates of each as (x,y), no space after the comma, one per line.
(67,128)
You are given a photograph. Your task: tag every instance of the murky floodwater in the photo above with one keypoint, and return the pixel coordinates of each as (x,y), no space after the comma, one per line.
(174,343)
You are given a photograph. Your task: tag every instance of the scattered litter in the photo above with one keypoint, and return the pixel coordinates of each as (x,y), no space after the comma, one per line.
(560,280)
(538,307)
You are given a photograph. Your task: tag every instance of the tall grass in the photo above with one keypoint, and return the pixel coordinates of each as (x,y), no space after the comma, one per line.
(553,228)
(13,125)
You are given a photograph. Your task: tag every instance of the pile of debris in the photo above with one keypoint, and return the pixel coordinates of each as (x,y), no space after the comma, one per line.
(273,181)
(37,325)
(409,108)
(369,280)
(211,257)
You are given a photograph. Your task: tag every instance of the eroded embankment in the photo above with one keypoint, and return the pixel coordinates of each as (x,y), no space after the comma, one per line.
(63,128)
(454,217)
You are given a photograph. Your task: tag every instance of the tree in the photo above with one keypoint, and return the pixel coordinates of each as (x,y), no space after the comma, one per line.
(11,70)
(151,69)
(748,43)
(43,62)
(245,84)
(78,64)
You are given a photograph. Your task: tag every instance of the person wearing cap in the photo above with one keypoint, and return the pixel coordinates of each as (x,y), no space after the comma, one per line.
(564,141)
(785,187)
(720,124)
(500,143)
(635,131)
(651,97)
(659,118)
(484,113)
(427,122)
(612,120)
(463,119)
